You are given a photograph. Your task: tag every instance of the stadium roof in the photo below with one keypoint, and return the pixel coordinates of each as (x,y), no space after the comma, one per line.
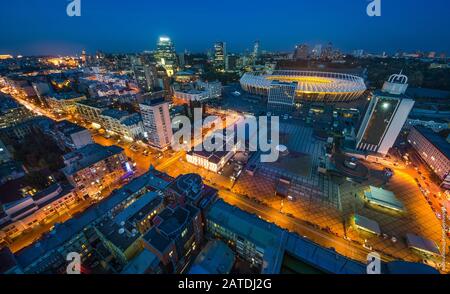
(308,81)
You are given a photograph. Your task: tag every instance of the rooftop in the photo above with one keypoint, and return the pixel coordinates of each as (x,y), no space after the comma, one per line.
(88,155)
(115,113)
(189,185)
(157,240)
(276,242)
(10,167)
(141,263)
(140,208)
(383,198)
(118,235)
(133,119)
(67,96)
(7,103)
(215,258)
(66,231)
(68,128)
(434,138)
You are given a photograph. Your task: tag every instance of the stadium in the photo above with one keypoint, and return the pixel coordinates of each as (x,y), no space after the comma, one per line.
(312,86)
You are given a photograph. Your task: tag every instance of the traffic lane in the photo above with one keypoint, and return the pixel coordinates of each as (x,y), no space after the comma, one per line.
(341,246)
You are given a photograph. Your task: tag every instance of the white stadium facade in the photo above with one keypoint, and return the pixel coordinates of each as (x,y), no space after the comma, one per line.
(312,86)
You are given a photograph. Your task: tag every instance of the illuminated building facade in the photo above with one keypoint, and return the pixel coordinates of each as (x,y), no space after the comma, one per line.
(434,150)
(26,212)
(214,160)
(166,56)
(157,123)
(220,56)
(12,113)
(198,91)
(385,116)
(64,102)
(311,86)
(94,167)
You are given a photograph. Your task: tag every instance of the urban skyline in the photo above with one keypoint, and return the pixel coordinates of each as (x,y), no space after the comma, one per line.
(294,156)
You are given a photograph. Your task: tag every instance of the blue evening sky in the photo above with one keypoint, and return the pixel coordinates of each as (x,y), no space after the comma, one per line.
(43,27)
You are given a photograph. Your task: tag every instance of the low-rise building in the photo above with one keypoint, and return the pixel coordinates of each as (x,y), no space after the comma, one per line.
(11,112)
(23,213)
(10,170)
(434,124)
(197,91)
(64,102)
(214,160)
(434,150)
(122,123)
(70,136)
(91,110)
(93,167)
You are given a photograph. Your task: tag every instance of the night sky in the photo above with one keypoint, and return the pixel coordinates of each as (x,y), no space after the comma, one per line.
(34,27)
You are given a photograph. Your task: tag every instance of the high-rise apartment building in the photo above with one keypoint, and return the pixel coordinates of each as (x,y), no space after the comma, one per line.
(146,76)
(157,123)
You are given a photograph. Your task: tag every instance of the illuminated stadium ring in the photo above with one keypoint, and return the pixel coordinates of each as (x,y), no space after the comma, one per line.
(311,85)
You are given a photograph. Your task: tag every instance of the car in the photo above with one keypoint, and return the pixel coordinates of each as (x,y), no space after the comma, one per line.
(368,247)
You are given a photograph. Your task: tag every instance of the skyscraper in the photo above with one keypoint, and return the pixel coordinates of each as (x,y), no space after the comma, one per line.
(256,50)
(327,53)
(157,123)
(385,116)
(220,56)
(317,51)
(165,55)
